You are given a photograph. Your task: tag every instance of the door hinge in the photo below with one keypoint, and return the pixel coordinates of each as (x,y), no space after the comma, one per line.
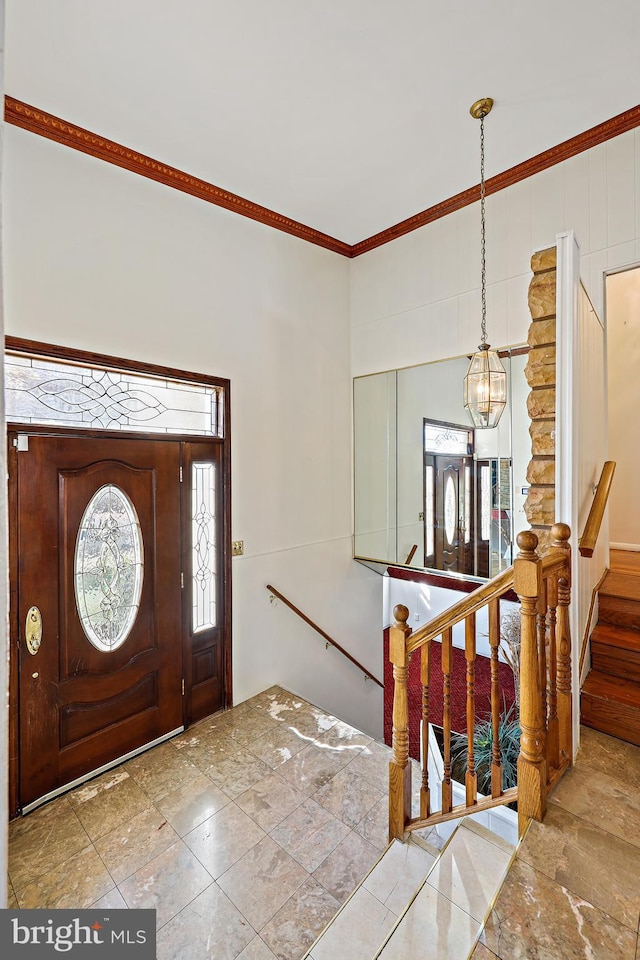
(183,686)
(180,474)
(182,581)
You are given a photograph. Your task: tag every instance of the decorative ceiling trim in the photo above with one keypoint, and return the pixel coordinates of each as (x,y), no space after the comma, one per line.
(53,128)
(622,123)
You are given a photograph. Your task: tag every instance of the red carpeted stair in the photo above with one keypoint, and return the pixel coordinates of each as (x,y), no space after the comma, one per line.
(458,692)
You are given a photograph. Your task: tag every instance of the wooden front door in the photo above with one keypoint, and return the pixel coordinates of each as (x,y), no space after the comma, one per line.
(102,556)
(452,514)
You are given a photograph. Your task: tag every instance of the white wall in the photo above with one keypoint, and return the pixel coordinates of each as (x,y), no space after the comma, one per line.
(417,298)
(101,259)
(623,356)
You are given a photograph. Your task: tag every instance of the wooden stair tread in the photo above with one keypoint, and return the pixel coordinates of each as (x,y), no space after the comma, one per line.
(624,585)
(625,561)
(604,686)
(615,636)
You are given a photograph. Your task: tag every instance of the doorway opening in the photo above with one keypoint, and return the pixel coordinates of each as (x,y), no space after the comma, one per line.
(119,561)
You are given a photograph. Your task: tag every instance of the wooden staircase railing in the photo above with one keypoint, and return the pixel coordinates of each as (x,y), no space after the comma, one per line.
(587,542)
(543,587)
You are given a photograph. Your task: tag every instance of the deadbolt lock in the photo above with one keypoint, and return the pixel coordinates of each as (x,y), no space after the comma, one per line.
(33,630)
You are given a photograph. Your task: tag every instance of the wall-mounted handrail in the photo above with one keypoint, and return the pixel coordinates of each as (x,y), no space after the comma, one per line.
(334,643)
(587,542)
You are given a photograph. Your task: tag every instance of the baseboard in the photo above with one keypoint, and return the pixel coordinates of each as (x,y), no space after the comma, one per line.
(625,546)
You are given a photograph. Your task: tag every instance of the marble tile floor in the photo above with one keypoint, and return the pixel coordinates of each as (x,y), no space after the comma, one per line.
(573,891)
(246,833)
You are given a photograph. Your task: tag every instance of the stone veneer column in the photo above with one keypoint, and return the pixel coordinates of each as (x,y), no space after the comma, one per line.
(541,403)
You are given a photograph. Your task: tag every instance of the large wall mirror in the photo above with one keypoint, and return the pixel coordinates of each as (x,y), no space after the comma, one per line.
(430,491)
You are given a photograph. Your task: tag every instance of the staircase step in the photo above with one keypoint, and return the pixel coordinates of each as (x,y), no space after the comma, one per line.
(616,650)
(399,905)
(618,584)
(611,705)
(618,610)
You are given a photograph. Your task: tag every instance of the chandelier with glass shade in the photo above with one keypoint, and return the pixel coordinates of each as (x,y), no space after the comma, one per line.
(485,385)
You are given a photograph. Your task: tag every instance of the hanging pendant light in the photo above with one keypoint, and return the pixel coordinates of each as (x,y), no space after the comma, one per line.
(485,385)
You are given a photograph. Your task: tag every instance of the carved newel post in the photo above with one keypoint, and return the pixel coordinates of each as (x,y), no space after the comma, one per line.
(532,777)
(399,767)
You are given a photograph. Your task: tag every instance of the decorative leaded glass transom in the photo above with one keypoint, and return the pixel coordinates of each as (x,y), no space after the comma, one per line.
(49,392)
(108,568)
(203,539)
(444,438)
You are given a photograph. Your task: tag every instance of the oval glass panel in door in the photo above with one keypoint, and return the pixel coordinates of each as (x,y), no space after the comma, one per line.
(108,567)
(449,509)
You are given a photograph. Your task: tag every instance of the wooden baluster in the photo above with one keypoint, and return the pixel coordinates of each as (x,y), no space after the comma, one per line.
(494,642)
(471,779)
(541,639)
(447,643)
(532,779)
(425,677)
(553,743)
(399,767)
(561,533)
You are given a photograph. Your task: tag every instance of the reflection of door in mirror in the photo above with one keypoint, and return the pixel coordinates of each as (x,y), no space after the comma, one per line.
(448,497)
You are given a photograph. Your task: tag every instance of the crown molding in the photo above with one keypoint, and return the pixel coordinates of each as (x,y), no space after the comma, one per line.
(622,123)
(54,128)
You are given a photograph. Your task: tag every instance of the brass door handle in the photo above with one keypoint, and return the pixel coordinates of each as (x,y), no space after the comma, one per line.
(33,630)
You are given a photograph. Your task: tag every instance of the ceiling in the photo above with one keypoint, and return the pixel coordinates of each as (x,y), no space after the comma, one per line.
(347,115)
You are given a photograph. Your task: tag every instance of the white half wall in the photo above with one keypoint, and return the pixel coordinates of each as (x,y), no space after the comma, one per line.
(101,259)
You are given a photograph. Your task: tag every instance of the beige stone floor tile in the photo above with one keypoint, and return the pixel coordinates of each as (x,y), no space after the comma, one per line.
(357,931)
(134,843)
(395,879)
(209,928)
(372,763)
(107,802)
(343,869)
(483,953)
(236,772)
(348,797)
(262,881)
(205,748)
(601,799)
(76,883)
(470,871)
(192,804)
(270,801)
(257,950)
(434,920)
(167,883)
(374,826)
(223,839)
(535,918)
(113,900)
(161,770)
(311,769)
(346,738)
(300,921)
(277,746)
(245,729)
(610,756)
(310,834)
(43,840)
(590,862)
